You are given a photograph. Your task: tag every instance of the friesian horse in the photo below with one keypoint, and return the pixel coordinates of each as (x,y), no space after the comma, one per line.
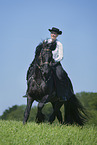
(41,86)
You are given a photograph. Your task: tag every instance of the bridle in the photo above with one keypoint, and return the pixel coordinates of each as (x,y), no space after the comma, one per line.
(44,63)
(40,67)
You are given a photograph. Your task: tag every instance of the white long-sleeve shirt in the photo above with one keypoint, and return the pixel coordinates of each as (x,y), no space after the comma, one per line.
(58,52)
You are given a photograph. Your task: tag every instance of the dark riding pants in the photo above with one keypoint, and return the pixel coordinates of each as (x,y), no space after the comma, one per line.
(61,82)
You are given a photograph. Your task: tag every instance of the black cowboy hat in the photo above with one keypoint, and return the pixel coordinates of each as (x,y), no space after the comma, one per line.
(55,30)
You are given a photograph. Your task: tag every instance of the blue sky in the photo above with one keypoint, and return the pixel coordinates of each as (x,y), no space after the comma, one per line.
(24,24)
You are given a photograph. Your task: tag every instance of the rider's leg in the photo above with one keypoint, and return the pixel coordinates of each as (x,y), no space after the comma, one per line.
(62,83)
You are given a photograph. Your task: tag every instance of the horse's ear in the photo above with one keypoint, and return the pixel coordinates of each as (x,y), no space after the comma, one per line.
(44,43)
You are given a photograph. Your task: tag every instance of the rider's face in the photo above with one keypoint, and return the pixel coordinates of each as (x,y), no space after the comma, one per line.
(54,35)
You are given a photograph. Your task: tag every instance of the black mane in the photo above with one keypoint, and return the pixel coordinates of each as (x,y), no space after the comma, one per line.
(34,62)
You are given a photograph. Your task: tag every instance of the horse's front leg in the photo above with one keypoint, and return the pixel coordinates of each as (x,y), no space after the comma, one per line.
(56,112)
(40,116)
(28,108)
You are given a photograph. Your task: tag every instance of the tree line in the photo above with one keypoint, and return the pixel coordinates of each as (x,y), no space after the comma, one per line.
(88,99)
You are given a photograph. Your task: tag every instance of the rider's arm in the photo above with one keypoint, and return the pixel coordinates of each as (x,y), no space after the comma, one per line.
(58,52)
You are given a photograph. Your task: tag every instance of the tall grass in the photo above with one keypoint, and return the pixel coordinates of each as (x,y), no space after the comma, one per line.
(15,133)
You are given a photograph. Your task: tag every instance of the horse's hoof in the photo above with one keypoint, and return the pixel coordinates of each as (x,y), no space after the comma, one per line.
(40,118)
(24,122)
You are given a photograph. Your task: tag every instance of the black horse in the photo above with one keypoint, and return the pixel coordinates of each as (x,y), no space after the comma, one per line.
(42,88)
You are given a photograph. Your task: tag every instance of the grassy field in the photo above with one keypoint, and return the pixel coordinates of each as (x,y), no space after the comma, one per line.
(15,133)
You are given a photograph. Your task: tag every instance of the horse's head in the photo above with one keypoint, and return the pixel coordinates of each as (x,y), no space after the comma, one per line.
(46,59)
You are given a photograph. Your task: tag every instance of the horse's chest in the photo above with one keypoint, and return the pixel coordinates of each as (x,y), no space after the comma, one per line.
(38,88)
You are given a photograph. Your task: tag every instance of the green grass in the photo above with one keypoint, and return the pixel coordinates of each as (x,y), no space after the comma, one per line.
(15,133)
